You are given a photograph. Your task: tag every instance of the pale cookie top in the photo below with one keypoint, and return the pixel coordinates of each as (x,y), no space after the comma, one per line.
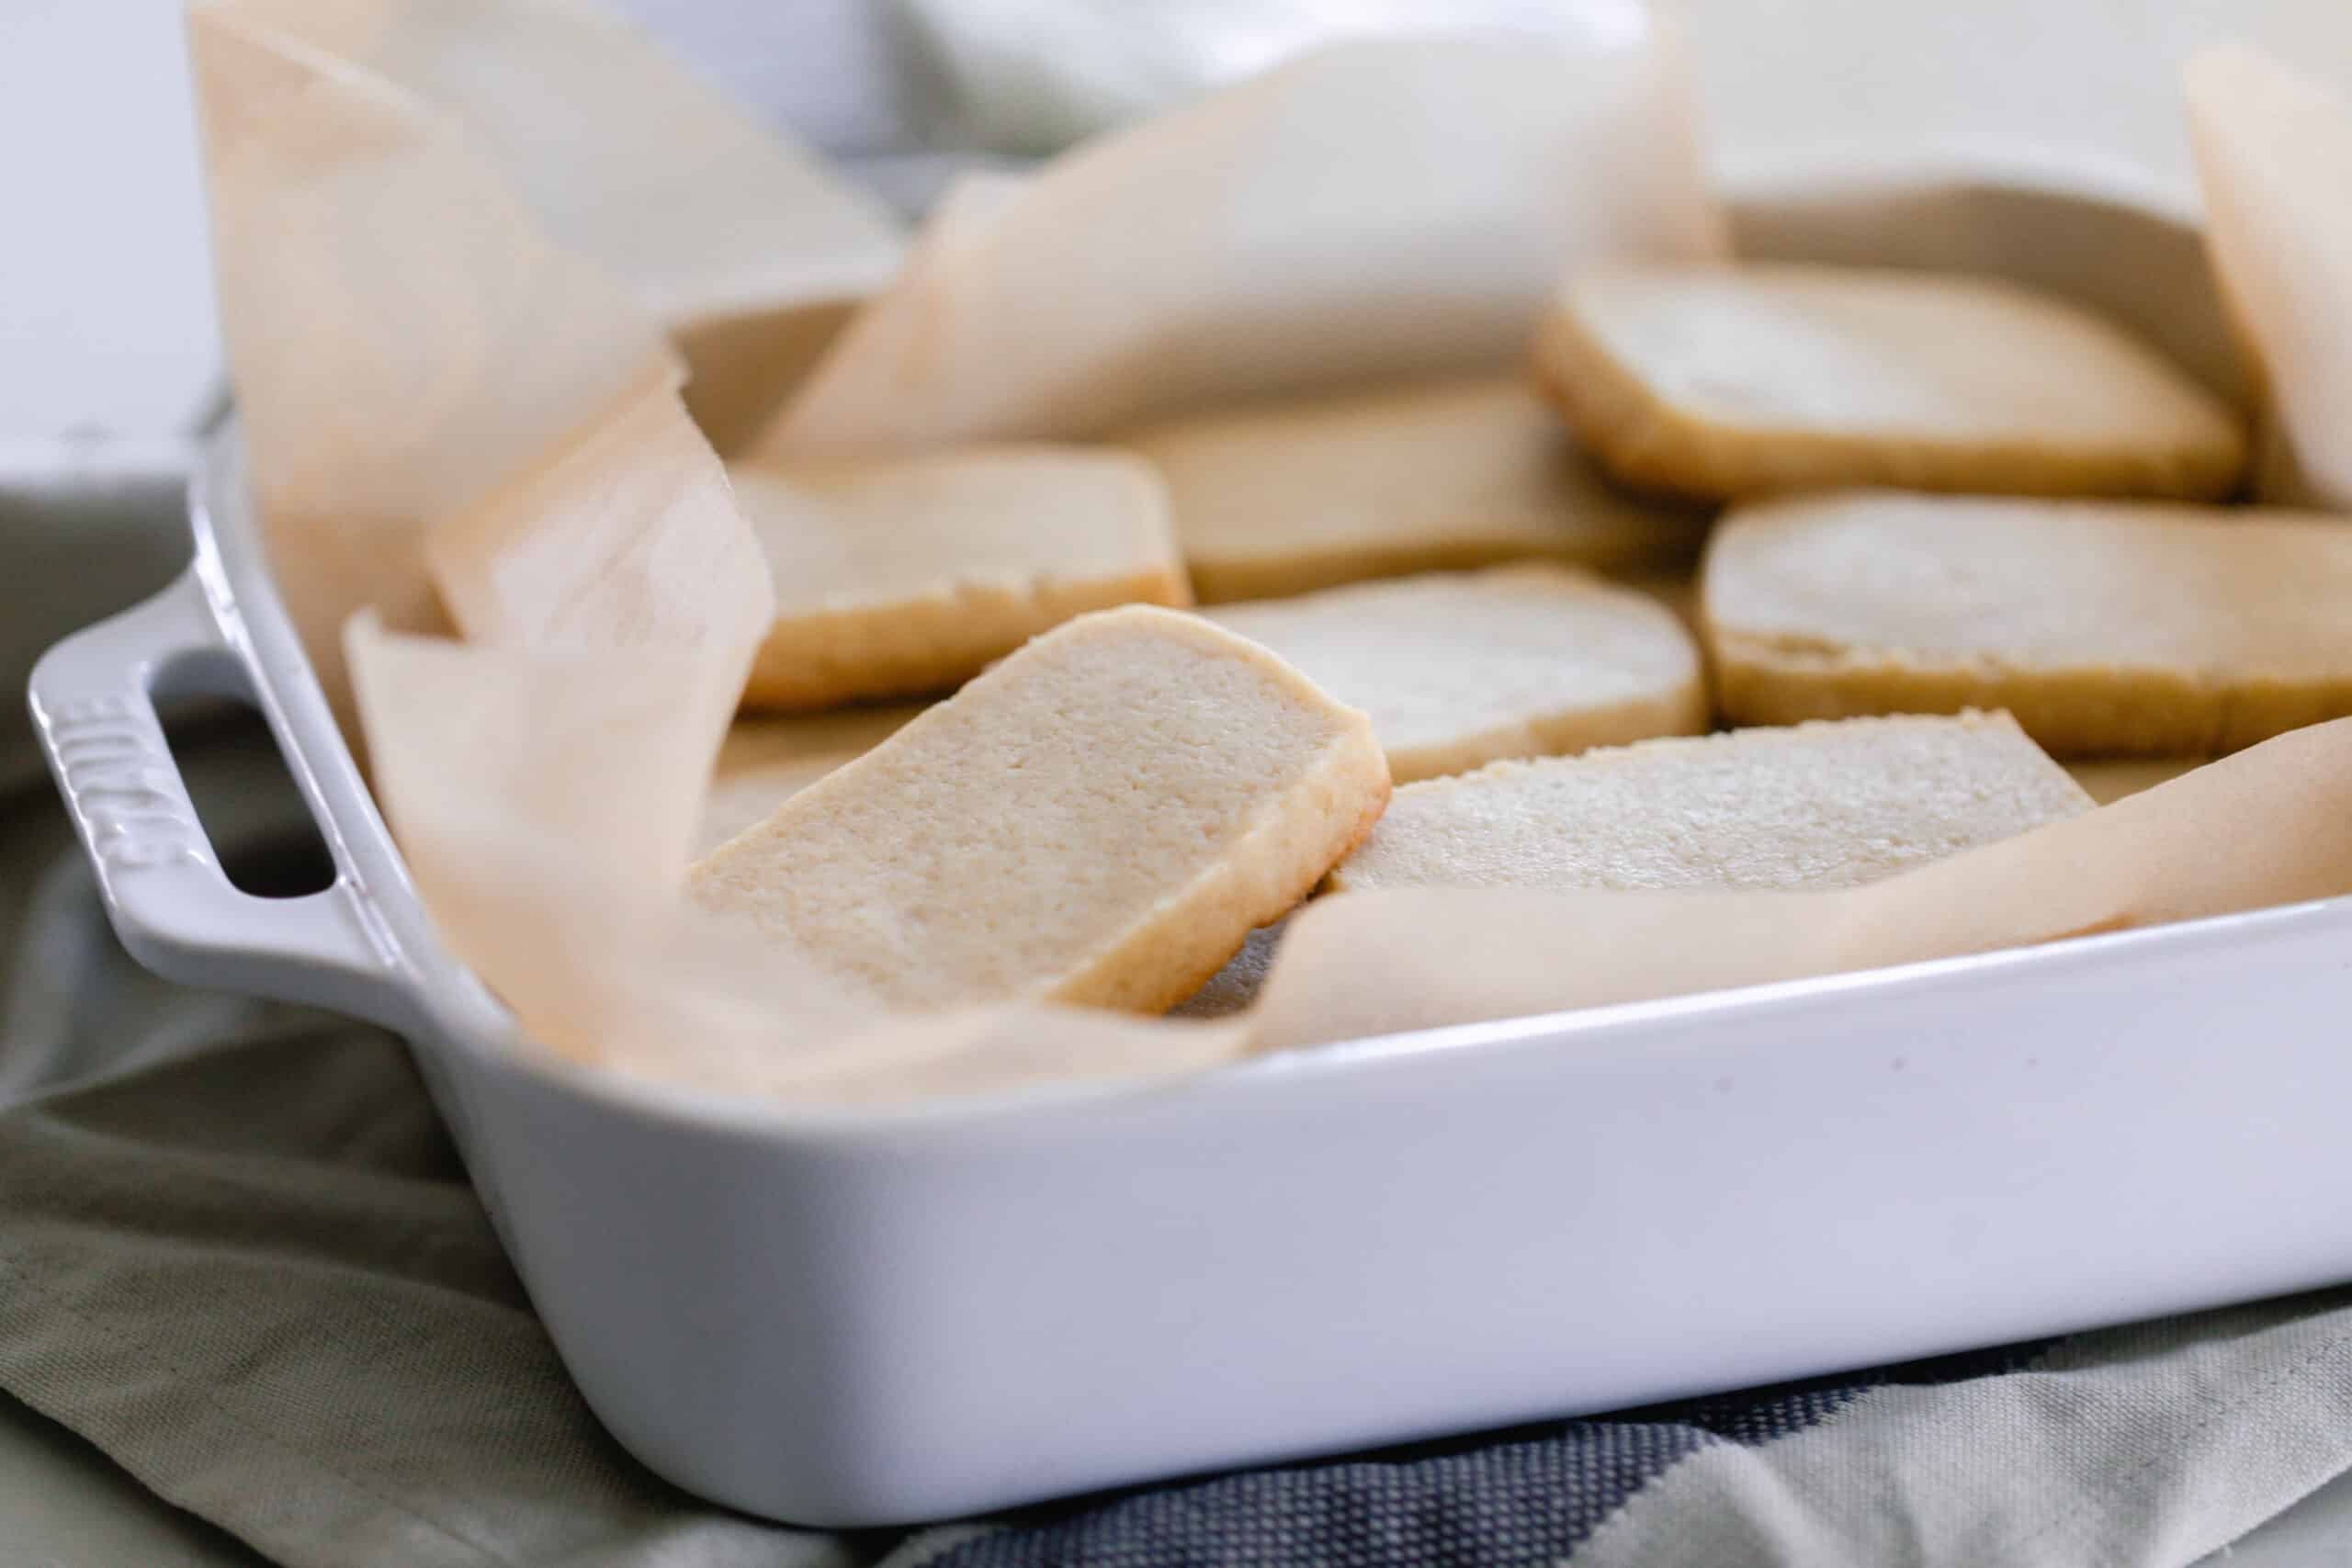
(850,534)
(1458,669)
(766,761)
(2034,585)
(1895,356)
(1093,786)
(1415,469)
(1819,805)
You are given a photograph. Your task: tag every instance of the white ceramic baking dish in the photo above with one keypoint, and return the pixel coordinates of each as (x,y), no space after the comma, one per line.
(863,1318)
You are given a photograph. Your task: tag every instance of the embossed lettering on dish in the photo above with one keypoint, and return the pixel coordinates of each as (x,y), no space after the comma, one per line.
(120,779)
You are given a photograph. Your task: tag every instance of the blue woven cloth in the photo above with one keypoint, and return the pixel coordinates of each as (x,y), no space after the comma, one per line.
(1518,1499)
(2150,1444)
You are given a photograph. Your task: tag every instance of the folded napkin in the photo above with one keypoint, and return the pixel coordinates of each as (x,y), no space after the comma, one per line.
(238,1254)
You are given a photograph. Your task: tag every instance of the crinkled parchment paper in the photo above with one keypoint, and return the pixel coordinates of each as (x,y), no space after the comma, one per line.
(625,533)
(2274,155)
(511,416)
(544,800)
(424,373)
(744,246)
(400,331)
(1386,206)
(2266,826)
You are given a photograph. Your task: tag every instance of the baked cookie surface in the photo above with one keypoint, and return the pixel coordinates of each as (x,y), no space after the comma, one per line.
(2109,629)
(766,761)
(1725,382)
(1461,669)
(1102,819)
(1287,497)
(1812,805)
(900,577)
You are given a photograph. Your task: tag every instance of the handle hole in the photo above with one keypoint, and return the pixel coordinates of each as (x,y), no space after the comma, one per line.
(260,826)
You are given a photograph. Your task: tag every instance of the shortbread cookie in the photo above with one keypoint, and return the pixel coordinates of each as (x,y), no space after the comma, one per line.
(902,576)
(1103,818)
(2108,629)
(767,761)
(1733,381)
(1287,497)
(1817,805)
(1460,669)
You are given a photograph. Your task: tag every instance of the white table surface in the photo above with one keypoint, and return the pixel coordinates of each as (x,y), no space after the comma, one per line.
(104,324)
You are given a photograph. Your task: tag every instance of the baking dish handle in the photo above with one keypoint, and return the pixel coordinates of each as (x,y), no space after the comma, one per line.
(93,698)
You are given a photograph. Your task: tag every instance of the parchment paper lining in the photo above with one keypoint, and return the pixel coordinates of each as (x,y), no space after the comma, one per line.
(417,360)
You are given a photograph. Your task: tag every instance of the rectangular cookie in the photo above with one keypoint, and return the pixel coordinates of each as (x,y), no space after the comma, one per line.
(2108,629)
(1460,669)
(902,576)
(1101,819)
(1724,382)
(766,761)
(1287,497)
(1816,806)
